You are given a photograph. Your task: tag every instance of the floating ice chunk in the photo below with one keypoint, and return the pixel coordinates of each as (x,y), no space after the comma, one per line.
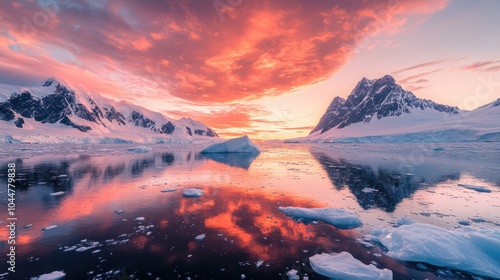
(72,248)
(49,227)
(292,275)
(402,221)
(119,211)
(192,193)
(344,266)
(169,190)
(140,149)
(475,188)
(339,218)
(200,237)
(467,249)
(259,263)
(54,275)
(84,248)
(139,219)
(57,193)
(368,190)
(236,145)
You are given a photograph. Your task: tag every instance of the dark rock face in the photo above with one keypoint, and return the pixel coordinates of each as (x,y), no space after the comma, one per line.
(6,114)
(167,128)
(188,129)
(113,115)
(19,122)
(374,98)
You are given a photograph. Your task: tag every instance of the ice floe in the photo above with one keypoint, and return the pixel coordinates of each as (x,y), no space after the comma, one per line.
(54,275)
(57,193)
(200,237)
(236,145)
(466,249)
(475,188)
(339,218)
(344,266)
(292,274)
(49,227)
(169,190)
(192,193)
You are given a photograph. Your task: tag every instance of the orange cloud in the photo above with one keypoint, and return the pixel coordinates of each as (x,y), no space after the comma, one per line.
(248,51)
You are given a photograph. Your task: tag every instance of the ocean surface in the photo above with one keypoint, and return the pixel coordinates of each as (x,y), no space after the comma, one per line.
(120,212)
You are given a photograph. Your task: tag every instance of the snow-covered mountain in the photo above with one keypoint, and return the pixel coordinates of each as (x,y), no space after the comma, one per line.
(54,112)
(380,110)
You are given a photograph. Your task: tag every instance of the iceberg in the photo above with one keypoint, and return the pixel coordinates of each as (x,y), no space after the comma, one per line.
(467,249)
(344,266)
(236,145)
(192,193)
(339,218)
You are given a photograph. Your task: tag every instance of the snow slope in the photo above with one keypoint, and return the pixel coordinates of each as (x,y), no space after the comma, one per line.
(53,112)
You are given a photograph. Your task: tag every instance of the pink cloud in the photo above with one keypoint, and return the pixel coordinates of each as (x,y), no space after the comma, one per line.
(184,49)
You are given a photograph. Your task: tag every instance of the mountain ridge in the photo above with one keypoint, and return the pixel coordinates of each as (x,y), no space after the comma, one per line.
(380,110)
(374,98)
(53,106)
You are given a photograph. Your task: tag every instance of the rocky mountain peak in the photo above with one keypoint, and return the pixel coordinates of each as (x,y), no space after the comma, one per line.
(377,98)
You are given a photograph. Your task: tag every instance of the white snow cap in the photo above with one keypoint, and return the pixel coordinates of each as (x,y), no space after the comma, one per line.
(467,249)
(339,218)
(344,266)
(236,145)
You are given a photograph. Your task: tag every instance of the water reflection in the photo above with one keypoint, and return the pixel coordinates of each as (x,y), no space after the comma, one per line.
(241,160)
(380,187)
(241,225)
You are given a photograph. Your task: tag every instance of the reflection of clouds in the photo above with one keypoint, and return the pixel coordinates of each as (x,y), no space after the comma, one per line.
(250,220)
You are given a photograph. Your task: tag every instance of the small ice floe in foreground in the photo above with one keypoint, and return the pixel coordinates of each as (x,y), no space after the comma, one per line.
(119,211)
(192,193)
(200,237)
(140,149)
(49,227)
(344,266)
(54,275)
(139,219)
(169,190)
(475,188)
(259,263)
(467,249)
(292,274)
(339,218)
(57,193)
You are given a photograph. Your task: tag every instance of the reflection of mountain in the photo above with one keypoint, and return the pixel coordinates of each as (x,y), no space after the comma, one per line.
(383,188)
(60,175)
(242,160)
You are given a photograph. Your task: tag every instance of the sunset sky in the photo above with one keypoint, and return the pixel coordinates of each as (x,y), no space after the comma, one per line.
(266,68)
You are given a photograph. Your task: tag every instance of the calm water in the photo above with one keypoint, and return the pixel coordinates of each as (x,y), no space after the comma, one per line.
(244,231)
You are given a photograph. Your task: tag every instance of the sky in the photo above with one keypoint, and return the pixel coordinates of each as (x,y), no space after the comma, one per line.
(265,68)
